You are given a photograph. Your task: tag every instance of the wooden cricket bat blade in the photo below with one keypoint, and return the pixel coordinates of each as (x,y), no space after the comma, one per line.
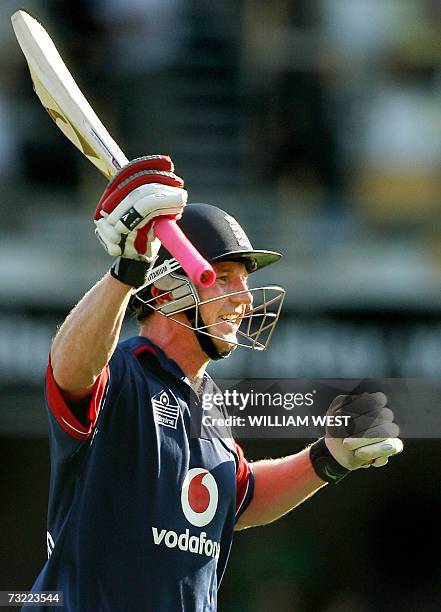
(62,98)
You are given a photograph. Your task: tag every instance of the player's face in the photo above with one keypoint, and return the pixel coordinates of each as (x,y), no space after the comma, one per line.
(224,314)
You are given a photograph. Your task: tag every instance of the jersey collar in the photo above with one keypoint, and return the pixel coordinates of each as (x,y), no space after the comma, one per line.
(142,344)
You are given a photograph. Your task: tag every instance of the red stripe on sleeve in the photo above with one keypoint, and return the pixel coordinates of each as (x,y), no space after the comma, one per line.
(61,411)
(242,477)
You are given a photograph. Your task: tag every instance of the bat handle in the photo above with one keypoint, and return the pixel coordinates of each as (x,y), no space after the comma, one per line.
(177,243)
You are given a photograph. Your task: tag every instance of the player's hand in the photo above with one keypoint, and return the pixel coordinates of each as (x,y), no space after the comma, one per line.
(370,437)
(143,191)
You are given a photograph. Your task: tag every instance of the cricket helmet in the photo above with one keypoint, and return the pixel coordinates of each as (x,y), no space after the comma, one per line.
(218,237)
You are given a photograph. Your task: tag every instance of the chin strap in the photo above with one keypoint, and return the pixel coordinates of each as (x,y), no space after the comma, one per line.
(205,342)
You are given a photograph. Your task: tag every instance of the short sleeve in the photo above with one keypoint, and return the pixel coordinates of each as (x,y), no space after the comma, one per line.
(244,481)
(61,411)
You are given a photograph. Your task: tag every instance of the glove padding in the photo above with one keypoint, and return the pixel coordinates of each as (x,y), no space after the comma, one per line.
(143,191)
(370,437)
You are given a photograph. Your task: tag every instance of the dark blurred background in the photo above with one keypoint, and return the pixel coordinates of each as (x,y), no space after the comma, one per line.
(317,123)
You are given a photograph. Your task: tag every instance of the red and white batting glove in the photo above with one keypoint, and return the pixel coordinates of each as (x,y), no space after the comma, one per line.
(143,191)
(368,438)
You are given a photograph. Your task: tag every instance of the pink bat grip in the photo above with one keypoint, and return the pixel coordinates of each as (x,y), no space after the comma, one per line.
(177,243)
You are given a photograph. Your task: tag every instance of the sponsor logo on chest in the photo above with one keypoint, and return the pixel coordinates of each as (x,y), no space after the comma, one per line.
(199,502)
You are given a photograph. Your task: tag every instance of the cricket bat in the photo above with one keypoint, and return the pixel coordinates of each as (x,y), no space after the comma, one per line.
(72,113)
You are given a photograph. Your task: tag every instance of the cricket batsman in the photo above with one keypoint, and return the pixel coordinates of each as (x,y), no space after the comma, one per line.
(142,513)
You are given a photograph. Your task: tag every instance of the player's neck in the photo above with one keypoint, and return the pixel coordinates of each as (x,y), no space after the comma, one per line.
(178,343)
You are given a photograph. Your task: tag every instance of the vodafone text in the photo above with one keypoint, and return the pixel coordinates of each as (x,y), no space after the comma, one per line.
(199,545)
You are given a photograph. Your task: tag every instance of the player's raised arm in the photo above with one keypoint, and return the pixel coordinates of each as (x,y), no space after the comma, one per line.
(142,191)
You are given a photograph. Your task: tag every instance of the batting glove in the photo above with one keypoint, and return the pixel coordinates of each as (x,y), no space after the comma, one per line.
(143,191)
(367,436)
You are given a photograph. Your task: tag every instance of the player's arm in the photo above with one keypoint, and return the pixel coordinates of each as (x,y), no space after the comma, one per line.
(368,439)
(279,486)
(87,338)
(141,192)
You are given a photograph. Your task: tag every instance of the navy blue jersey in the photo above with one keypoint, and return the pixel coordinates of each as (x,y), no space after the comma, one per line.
(141,513)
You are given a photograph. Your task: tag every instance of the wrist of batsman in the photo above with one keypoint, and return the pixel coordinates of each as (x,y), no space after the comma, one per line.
(325,466)
(130,271)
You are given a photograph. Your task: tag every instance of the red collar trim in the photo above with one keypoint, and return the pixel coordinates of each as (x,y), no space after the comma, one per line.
(142,349)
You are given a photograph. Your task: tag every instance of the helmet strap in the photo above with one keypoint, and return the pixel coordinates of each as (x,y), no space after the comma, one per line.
(205,342)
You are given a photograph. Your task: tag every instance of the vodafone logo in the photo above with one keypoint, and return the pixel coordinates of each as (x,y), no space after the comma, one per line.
(199,497)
